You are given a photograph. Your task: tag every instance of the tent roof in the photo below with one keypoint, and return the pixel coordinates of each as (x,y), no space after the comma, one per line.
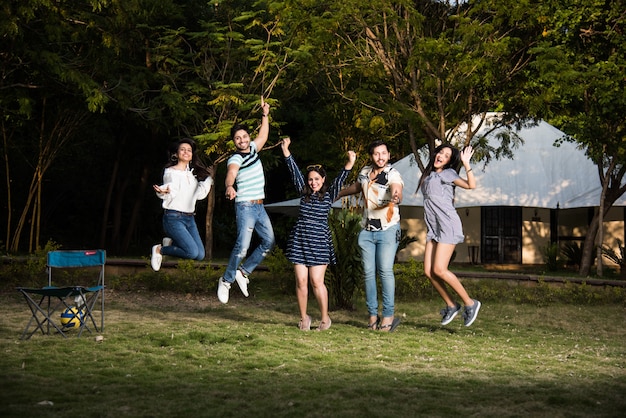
(539,175)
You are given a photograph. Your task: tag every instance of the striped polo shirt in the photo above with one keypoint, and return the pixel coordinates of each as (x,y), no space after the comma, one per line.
(250,180)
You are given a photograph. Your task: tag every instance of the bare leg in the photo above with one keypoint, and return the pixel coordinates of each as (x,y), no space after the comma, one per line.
(302,288)
(316,273)
(373,324)
(438,284)
(440,259)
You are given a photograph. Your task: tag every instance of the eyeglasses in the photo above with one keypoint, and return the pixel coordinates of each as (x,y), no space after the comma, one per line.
(313,167)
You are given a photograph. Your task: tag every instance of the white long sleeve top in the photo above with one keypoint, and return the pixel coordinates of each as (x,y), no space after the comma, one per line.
(184,190)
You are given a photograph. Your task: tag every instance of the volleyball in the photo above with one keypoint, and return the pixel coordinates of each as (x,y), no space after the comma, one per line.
(71,317)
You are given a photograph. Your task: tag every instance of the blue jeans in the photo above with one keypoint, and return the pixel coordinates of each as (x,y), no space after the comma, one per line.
(182,229)
(250,217)
(378,252)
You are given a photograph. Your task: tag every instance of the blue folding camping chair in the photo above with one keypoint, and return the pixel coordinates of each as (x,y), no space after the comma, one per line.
(66,308)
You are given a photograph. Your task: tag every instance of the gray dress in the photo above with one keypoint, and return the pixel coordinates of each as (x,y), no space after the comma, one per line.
(442,220)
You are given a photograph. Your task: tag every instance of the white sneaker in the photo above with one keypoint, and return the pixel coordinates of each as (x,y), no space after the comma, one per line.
(155,260)
(167,241)
(223,290)
(242,281)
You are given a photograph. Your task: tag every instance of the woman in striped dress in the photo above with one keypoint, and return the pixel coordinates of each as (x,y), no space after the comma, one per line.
(310,246)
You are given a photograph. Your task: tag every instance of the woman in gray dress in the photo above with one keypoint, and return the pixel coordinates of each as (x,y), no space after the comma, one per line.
(444,226)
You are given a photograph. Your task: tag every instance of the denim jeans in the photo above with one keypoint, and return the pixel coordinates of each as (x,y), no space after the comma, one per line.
(250,217)
(182,229)
(378,252)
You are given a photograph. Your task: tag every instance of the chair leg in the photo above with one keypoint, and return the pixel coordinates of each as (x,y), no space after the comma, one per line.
(36,310)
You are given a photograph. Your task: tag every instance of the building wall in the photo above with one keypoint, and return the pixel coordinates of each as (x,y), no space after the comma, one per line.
(572,227)
(535,234)
(412,224)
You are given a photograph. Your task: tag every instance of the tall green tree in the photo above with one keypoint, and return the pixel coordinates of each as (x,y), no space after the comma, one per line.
(430,66)
(43,72)
(69,59)
(579,86)
(238,55)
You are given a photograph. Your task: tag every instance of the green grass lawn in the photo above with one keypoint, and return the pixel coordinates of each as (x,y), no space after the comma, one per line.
(177,355)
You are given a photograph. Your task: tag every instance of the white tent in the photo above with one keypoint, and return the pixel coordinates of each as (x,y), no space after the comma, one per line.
(539,175)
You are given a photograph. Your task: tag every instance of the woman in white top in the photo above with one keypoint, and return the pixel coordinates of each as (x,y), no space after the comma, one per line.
(185,181)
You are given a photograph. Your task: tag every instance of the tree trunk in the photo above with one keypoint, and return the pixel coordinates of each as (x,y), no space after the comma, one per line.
(134,215)
(108,199)
(7,171)
(589,247)
(208,231)
(116,233)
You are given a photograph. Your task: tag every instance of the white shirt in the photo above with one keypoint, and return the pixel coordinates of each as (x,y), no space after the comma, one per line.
(184,190)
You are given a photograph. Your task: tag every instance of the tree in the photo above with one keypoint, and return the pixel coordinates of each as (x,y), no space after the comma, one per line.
(418,71)
(237,56)
(580,88)
(42,68)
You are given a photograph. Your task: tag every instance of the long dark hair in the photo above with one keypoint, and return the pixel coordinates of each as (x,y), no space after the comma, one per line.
(306,190)
(200,171)
(454,163)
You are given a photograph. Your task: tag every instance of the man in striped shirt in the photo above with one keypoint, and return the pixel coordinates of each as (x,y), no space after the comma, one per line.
(245,183)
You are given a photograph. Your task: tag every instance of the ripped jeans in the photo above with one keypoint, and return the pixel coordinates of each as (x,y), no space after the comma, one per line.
(378,252)
(250,217)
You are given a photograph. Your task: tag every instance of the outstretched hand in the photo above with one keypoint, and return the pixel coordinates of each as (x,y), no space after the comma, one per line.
(265,107)
(351,160)
(466,155)
(284,145)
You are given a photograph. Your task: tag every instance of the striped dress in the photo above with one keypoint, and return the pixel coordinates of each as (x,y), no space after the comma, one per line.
(310,242)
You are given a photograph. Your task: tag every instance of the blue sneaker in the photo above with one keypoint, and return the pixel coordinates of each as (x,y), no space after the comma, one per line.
(449,312)
(471,312)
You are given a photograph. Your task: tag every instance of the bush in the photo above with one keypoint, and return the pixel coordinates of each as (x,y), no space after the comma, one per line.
(572,253)
(551,257)
(618,258)
(411,280)
(281,269)
(342,278)
(189,277)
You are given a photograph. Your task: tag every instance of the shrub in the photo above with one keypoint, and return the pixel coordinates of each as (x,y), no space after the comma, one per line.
(411,280)
(572,253)
(281,269)
(551,257)
(616,257)
(342,278)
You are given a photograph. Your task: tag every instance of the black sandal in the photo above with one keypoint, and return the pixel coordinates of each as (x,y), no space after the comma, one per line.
(374,325)
(392,327)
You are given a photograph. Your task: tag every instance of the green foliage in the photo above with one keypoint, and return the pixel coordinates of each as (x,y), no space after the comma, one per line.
(411,282)
(281,269)
(343,277)
(618,257)
(189,277)
(29,271)
(578,86)
(544,293)
(551,257)
(572,253)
